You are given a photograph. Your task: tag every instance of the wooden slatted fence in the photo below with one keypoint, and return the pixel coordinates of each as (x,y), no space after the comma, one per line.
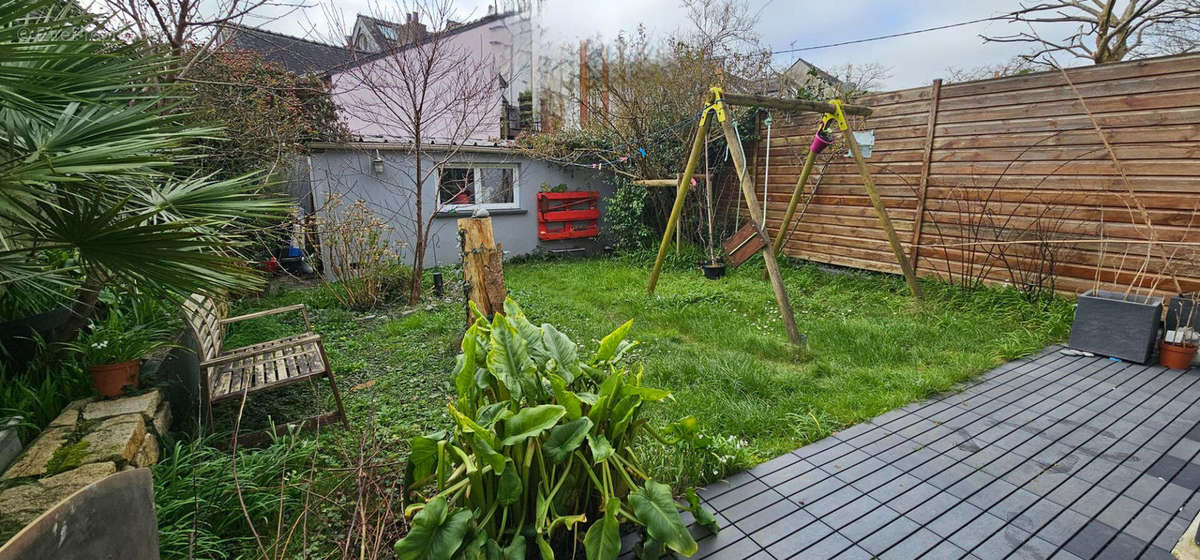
(1014,158)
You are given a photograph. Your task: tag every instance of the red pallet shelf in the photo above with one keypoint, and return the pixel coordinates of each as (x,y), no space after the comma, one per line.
(568,215)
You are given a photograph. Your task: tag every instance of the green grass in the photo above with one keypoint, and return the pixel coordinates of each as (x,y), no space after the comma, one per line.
(719,346)
(721,349)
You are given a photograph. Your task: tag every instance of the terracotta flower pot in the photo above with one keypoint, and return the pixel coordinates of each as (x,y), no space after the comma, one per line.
(1175,356)
(111,379)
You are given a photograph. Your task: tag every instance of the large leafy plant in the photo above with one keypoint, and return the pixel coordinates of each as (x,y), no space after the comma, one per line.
(543,445)
(97,186)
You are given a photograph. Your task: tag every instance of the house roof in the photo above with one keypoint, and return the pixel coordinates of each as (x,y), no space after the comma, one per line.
(387,34)
(363,58)
(298,55)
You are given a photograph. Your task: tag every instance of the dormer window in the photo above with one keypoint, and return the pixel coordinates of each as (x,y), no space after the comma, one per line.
(388,33)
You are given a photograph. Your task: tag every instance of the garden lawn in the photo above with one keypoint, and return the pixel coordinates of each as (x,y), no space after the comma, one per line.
(719,346)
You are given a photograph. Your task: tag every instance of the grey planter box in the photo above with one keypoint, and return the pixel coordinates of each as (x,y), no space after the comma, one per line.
(1109,325)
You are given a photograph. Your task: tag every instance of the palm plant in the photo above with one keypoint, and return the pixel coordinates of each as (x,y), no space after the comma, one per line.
(94,169)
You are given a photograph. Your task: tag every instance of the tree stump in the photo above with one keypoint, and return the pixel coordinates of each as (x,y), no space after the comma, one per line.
(483,267)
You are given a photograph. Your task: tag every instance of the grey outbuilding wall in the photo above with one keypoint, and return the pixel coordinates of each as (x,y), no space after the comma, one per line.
(348,169)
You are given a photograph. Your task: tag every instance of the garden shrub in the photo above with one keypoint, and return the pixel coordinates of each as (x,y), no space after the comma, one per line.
(625,219)
(542,445)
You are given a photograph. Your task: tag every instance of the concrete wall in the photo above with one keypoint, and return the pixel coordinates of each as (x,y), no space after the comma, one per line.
(390,196)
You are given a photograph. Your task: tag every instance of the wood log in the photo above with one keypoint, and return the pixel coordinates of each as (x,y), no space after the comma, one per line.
(791,104)
(483,267)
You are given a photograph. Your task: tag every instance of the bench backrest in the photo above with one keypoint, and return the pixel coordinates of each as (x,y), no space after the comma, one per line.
(203,315)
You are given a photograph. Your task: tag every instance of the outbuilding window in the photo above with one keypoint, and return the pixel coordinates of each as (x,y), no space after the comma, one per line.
(489,185)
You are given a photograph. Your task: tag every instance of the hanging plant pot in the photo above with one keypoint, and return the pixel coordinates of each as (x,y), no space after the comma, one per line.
(110,380)
(713,269)
(1175,356)
(1116,325)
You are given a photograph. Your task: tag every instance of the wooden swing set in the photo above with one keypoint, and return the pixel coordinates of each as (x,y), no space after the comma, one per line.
(834,112)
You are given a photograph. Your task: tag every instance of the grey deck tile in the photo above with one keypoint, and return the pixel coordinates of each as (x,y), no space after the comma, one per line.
(950,476)
(932,508)
(1119,512)
(1184,448)
(969,485)
(738,495)
(913,497)
(919,544)
(1171,499)
(886,536)
(954,518)
(1004,542)
(1094,499)
(976,531)
(1170,535)
(1147,523)
(1014,505)
(1042,514)
(1145,488)
(1119,478)
(991,494)
(788,472)
(885,489)
(1071,490)
(1033,549)
(1156,553)
(1062,527)
(868,524)
(781,462)
(1122,546)
(1188,477)
(815,492)
(847,513)
(832,546)
(752,505)
(806,480)
(851,471)
(1090,539)
(796,541)
(769,515)
(718,548)
(816,447)
(822,506)
(798,526)
(717,488)
(841,453)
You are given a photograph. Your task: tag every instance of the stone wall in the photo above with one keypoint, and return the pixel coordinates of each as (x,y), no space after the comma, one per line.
(90,440)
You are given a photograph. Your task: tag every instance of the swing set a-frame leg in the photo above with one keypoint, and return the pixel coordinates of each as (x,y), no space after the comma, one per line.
(685,182)
(758,219)
(906,267)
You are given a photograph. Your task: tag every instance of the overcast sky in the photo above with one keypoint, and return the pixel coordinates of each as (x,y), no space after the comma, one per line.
(914,60)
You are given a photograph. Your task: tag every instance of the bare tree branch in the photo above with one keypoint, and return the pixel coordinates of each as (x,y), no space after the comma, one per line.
(1105,33)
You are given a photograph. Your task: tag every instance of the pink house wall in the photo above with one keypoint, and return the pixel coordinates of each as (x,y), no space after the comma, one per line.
(374,105)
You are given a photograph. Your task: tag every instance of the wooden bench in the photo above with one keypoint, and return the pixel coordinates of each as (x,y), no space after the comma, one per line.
(235,373)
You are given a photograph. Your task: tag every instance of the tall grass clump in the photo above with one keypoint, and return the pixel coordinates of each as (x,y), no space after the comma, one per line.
(200,513)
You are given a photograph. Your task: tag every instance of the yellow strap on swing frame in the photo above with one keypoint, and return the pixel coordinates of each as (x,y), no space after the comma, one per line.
(717,106)
(837,115)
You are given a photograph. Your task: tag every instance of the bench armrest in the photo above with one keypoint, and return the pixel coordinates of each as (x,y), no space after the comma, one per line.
(285,309)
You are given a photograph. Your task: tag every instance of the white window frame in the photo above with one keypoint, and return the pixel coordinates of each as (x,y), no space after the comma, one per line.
(478,173)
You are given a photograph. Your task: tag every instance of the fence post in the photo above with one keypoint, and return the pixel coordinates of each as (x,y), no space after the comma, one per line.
(935,94)
(483,266)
